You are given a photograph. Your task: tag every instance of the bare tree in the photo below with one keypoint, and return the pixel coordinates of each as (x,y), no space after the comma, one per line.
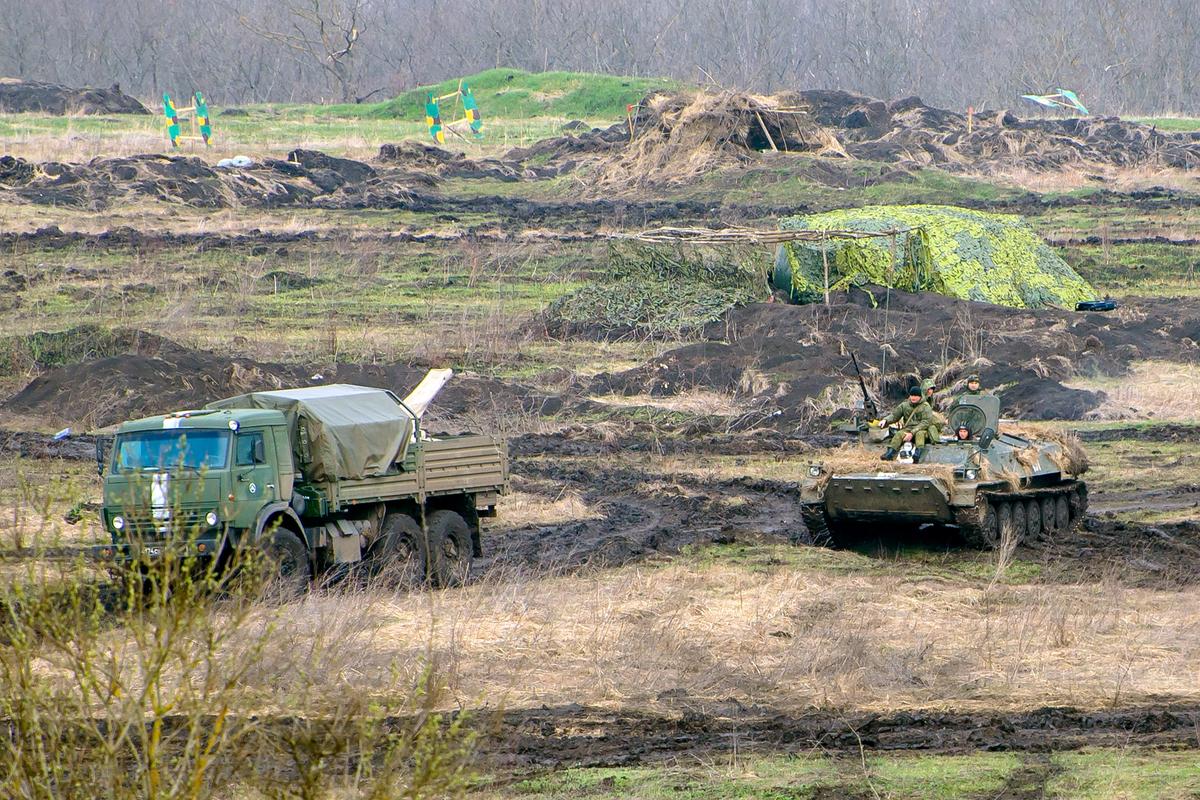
(1121,55)
(326,33)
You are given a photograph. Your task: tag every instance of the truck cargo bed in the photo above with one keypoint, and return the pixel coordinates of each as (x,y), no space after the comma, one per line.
(455,465)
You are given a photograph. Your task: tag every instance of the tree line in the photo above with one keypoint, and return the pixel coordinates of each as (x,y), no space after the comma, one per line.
(1121,56)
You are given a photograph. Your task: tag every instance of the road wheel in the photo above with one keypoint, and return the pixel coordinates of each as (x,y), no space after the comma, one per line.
(1033,519)
(1049,516)
(400,556)
(1004,522)
(1062,514)
(1019,521)
(450,539)
(287,560)
(989,525)
(1078,501)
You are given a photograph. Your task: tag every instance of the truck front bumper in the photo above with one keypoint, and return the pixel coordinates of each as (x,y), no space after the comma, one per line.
(125,552)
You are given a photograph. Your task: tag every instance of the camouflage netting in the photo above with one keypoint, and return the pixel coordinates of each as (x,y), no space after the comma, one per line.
(971,255)
(657,290)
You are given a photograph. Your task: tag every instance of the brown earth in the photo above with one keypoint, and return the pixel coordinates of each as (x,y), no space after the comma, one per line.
(677,139)
(789,365)
(152,375)
(576,735)
(681,136)
(783,356)
(18,96)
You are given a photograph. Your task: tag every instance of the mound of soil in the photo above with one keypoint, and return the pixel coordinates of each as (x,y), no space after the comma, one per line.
(797,358)
(680,137)
(574,735)
(677,138)
(428,159)
(18,96)
(153,375)
(308,177)
(907,130)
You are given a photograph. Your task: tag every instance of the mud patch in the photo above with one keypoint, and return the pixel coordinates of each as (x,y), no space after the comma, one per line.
(1160,556)
(641,514)
(584,736)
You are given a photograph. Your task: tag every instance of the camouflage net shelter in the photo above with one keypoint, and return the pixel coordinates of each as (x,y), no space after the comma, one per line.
(971,255)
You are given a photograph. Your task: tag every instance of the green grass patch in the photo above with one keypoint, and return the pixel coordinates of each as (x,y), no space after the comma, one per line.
(1100,774)
(1145,267)
(1170,123)
(778,777)
(516,94)
(934,186)
(1126,774)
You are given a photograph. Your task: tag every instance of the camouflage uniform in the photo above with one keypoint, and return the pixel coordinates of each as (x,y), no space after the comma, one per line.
(967,393)
(934,431)
(914,419)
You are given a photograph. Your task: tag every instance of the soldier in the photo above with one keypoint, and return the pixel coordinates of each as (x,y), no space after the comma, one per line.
(974,389)
(914,416)
(934,433)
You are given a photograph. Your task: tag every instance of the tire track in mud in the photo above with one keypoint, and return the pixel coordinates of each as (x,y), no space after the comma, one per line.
(575,735)
(641,513)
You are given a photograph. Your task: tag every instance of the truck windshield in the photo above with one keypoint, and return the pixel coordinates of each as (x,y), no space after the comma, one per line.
(172,449)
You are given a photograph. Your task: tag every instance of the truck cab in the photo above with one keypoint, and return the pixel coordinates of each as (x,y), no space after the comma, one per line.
(195,478)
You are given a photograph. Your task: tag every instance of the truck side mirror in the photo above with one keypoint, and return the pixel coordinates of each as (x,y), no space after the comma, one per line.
(100,456)
(259,451)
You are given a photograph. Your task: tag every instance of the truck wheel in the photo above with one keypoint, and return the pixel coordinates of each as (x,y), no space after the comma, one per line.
(451,541)
(400,555)
(289,560)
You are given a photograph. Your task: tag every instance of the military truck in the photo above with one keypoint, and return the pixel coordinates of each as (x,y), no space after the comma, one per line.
(993,486)
(335,476)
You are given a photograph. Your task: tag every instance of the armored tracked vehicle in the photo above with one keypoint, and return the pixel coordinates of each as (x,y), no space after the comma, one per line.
(993,486)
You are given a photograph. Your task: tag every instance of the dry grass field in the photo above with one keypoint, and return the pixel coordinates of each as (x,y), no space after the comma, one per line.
(642,623)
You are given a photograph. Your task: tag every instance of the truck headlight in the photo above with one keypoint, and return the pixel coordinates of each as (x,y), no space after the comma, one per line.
(971,474)
(118,522)
(211,518)
(814,470)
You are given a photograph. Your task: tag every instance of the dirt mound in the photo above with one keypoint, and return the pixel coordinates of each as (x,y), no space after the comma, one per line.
(797,358)
(142,374)
(574,735)
(45,350)
(908,130)
(677,138)
(18,96)
(428,159)
(308,177)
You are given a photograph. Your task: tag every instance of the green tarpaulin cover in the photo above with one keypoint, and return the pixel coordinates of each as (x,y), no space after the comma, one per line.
(353,431)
